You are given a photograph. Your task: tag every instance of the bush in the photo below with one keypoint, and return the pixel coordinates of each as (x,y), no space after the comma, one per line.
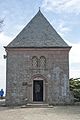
(75,88)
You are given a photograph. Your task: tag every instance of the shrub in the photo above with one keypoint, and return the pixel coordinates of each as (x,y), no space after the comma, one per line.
(75,88)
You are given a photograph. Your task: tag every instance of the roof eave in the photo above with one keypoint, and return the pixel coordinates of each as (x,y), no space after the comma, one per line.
(6,47)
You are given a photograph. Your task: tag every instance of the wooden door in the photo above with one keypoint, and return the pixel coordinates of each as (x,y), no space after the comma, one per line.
(38,90)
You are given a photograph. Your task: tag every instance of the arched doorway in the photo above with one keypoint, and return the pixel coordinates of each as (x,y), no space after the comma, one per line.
(39,88)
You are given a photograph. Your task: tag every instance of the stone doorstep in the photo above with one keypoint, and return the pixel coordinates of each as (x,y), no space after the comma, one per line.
(36,105)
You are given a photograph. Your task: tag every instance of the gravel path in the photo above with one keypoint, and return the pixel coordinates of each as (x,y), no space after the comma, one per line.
(55,113)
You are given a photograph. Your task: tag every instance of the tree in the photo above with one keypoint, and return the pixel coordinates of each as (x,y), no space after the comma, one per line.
(75,88)
(1,23)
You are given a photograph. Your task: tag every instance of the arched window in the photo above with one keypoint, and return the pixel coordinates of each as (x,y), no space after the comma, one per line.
(34,62)
(42,62)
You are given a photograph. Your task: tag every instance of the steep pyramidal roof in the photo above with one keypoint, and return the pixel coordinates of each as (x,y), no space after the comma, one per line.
(38,33)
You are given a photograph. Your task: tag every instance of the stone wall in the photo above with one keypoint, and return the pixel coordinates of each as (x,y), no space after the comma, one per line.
(19,78)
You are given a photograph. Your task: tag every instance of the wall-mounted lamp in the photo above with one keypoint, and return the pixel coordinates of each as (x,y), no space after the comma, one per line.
(5,56)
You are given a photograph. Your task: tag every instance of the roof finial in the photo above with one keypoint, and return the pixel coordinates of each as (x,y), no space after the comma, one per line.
(39,8)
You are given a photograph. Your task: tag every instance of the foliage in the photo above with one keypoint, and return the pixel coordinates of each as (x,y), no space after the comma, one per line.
(75,88)
(1,23)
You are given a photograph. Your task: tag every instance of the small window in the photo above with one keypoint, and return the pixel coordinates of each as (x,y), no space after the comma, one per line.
(42,62)
(34,62)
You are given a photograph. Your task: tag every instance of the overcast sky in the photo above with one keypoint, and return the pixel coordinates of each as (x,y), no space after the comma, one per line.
(64,15)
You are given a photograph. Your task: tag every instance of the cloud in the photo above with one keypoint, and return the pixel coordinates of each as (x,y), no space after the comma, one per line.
(19,27)
(75,60)
(61,26)
(74,73)
(68,6)
(63,29)
(4,41)
(74,53)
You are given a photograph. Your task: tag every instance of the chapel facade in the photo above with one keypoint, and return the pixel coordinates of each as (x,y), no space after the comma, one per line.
(37,65)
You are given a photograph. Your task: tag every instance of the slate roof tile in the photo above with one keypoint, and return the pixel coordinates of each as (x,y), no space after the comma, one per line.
(38,33)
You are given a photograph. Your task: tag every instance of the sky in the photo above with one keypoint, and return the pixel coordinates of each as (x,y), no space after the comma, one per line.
(64,16)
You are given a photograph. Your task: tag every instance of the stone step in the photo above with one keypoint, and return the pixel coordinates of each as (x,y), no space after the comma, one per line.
(36,105)
(2,102)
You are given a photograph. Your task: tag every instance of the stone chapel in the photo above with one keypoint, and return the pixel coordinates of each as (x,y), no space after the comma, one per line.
(37,65)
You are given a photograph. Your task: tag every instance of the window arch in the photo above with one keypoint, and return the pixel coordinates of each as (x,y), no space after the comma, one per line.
(42,62)
(34,62)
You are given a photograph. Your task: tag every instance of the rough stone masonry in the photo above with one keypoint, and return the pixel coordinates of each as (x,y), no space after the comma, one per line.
(37,65)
